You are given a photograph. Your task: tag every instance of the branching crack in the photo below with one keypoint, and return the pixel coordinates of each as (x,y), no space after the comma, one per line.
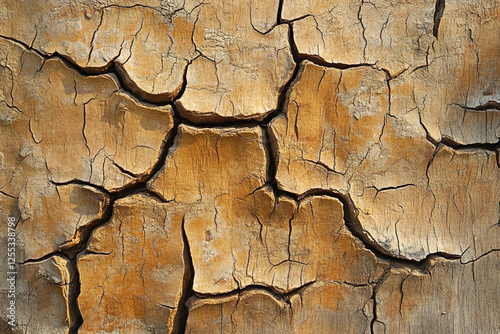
(113,67)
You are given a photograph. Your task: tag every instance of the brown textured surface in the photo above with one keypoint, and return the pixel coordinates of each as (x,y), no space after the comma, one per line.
(250,166)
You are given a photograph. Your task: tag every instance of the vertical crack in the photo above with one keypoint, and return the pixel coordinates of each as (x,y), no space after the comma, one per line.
(73,293)
(374,297)
(360,18)
(86,231)
(438,14)
(93,37)
(280,10)
(72,254)
(180,320)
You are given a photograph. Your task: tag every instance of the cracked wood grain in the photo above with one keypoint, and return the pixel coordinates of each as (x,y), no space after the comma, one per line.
(278,166)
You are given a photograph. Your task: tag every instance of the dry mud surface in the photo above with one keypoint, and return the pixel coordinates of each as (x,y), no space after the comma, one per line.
(250,166)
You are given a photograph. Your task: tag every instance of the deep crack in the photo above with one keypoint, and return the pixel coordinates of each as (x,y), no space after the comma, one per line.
(438,14)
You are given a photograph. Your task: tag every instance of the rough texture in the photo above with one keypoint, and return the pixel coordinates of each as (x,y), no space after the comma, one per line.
(238,63)
(332,119)
(249,166)
(133,265)
(447,296)
(43,291)
(393,35)
(317,309)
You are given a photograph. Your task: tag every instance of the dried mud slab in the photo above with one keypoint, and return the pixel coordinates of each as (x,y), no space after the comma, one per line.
(316,308)
(43,291)
(227,60)
(452,297)
(251,166)
(213,170)
(459,189)
(241,71)
(392,35)
(457,92)
(332,119)
(133,272)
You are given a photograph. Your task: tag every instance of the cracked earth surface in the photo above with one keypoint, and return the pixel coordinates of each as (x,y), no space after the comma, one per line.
(251,166)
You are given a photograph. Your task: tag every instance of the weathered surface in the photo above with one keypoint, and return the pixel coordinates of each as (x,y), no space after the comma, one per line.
(440,209)
(84,128)
(318,308)
(241,71)
(238,63)
(332,119)
(254,310)
(392,35)
(133,272)
(250,166)
(214,182)
(458,91)
(59,126)
(55,218)
(42,291)
(447,298)
(350,142)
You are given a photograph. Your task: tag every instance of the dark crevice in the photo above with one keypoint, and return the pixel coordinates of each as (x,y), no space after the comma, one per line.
(45,257)
(494,250)
(360,19)
(5,194)
(485,106)
(374,298)
(82,183)
(225,122)
(391,188)
(354,226)
(284,296)
(181,316)
(115,69)
(124,171)
(268,31)
(131,86)
(447,141)
(427,134)
(280,10)
(341,66)
(73,293)
(438,14)
(283,96)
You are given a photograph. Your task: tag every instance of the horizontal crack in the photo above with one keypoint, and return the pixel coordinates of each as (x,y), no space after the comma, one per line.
(254,287)
(447,141)
(341,66)
(485,106)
